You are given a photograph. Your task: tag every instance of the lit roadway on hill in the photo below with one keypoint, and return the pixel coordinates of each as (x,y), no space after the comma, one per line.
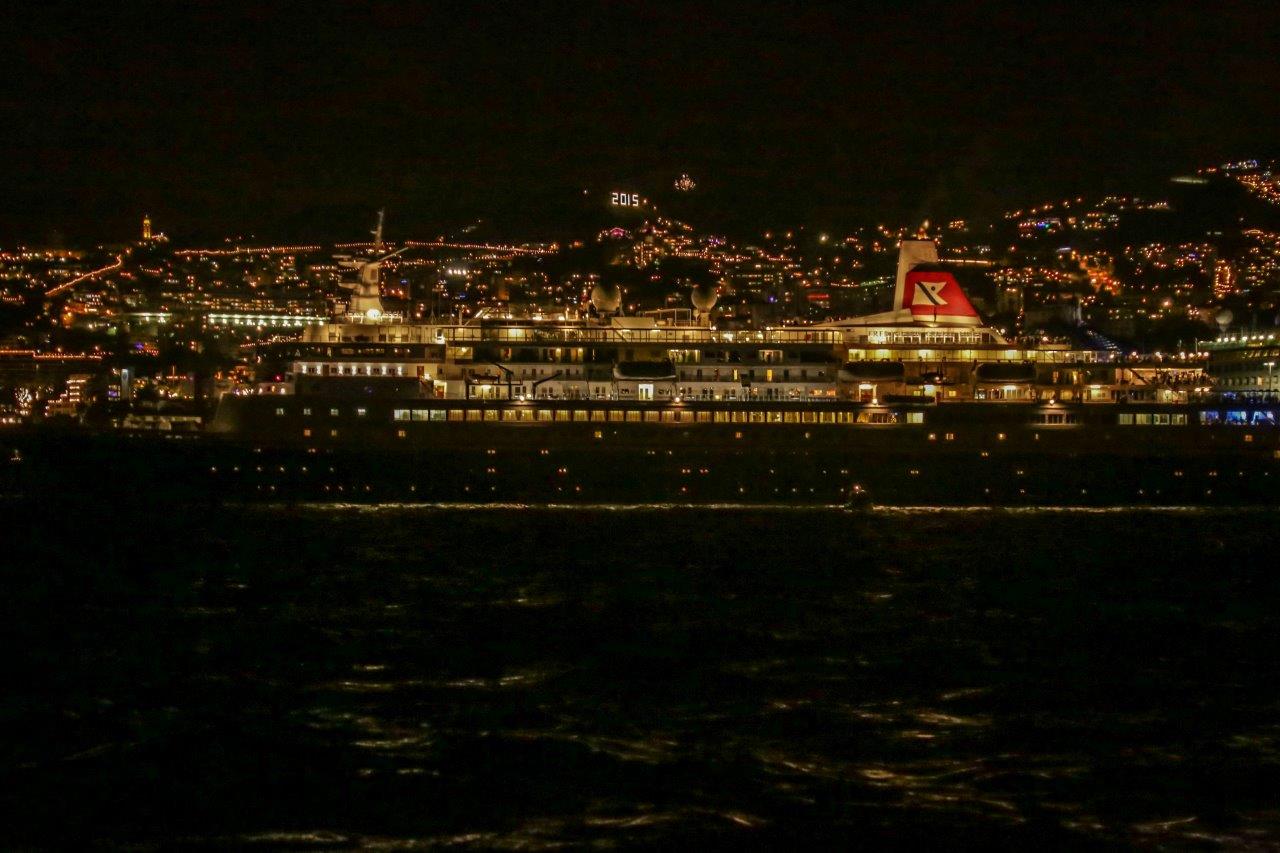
(67,285)
(415,244)
(247,250)
(519,250)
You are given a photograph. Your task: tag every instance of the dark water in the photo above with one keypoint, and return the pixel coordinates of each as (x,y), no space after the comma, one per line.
(543,678)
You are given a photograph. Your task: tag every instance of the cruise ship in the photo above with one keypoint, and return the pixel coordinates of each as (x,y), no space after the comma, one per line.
(924,404)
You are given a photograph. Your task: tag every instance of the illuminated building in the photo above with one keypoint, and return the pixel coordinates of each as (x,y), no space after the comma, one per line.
(1224,279)
(73,398)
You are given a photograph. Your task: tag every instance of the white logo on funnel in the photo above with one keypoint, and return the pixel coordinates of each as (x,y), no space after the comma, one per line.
(929,293)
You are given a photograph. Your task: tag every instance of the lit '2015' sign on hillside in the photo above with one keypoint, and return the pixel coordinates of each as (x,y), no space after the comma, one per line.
(625,199)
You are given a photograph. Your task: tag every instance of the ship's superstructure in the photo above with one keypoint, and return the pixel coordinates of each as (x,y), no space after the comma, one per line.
(931,347)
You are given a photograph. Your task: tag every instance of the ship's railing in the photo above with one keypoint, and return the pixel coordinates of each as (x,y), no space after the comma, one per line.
(465,335)
(605,334)
(1233,398)
(381,318)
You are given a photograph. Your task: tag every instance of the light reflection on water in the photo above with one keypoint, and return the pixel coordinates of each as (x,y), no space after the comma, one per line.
(795,508)
(534,677)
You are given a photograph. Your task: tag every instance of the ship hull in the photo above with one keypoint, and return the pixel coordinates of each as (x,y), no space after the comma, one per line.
(958,457)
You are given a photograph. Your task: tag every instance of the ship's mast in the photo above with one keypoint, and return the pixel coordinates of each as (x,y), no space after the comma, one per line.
(366,299)
(377,232)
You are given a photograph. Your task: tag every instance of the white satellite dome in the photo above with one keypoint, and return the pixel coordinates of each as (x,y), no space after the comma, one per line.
(607,298)
(703,297)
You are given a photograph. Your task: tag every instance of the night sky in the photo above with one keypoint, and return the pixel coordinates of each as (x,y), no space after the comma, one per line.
(279,118)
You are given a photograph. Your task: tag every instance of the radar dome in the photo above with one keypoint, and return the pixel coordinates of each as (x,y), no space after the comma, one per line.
(607,298)
(1224,318)
(703,297)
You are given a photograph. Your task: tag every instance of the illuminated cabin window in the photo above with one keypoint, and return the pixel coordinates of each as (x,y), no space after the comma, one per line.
(737,435)
(615,416)
(544,414)
(667,417)
(455,414)
(809,417)
(474,414)
(598,415)
(633,417)
(509,414)
(436,415)
(333,433)
(1248,437)
(280,413)
(306,433)
(1142,419)
(598,434)
(1063,418)
(1125,419)
(1179,419)
(877,417)
(306,412)
(791,418)
(704,417)
(401,415)
(915,417)
(400,433)
(561,414)
(490,414)
(579,414)
(951,436)
(361,412)
(333,413)
(651,417)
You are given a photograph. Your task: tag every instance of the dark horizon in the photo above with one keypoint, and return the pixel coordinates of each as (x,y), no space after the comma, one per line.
(221,120)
